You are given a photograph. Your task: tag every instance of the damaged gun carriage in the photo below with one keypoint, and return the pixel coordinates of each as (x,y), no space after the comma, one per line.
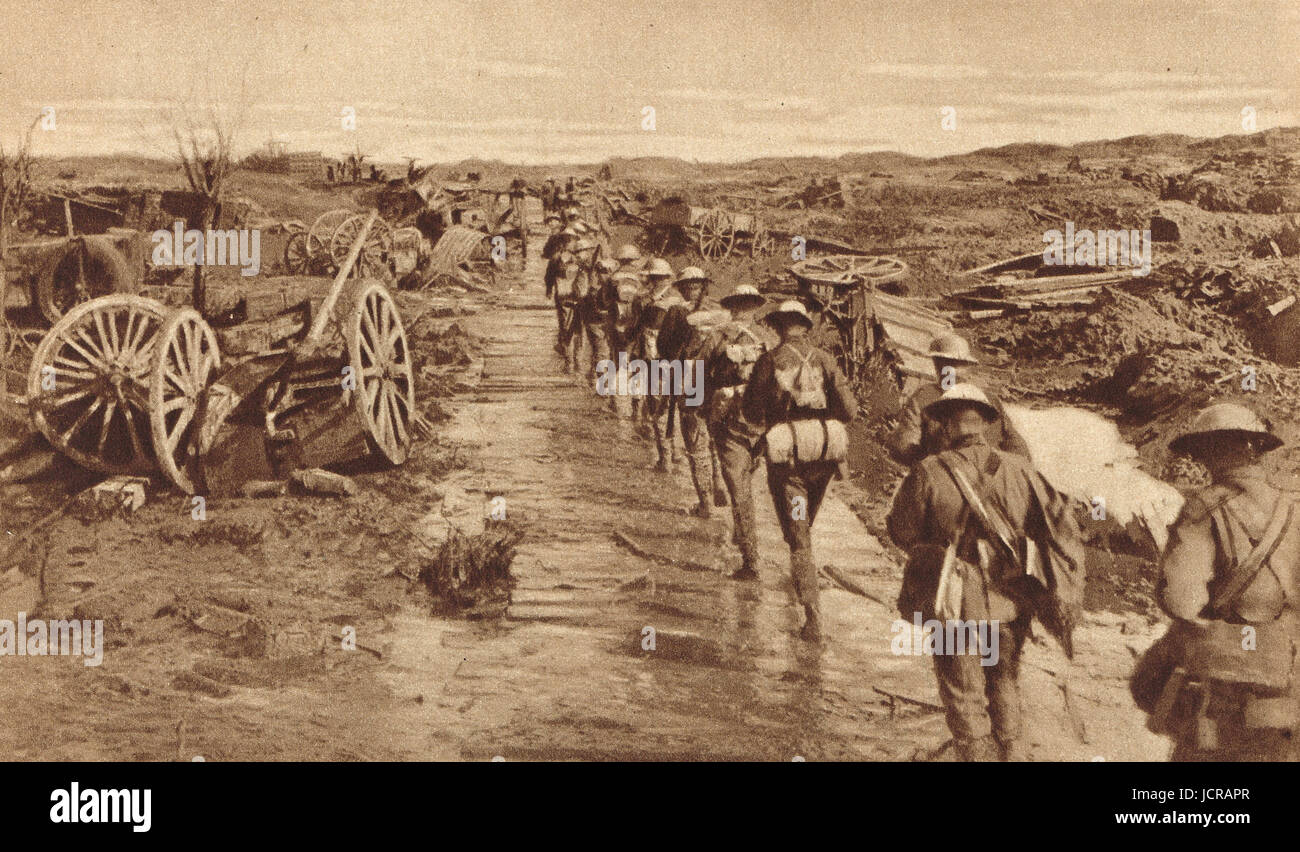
(124,384)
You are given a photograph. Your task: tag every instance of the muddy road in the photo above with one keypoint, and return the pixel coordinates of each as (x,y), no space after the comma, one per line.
(623,639)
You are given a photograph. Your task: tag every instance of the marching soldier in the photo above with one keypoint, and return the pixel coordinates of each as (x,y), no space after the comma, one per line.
(654,298)
(797,395)
(1228,578)
(916,436)
(733,350)
(562,281)
(592,307)
(990,544)
(628,257)
(658,277)
(683,338)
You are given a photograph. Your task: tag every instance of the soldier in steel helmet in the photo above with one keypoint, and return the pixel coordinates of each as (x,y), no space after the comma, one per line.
(1228,579)
(916,436)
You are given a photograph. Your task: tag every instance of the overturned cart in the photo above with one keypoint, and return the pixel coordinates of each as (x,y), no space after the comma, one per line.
(123,384)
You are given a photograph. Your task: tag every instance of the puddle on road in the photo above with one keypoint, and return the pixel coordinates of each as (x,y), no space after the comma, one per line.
(1083,455)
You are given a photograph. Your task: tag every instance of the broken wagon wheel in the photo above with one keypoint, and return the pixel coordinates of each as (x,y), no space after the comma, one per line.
(849,270)
(381,366)
(184,360)
(762,243)
(375,251)
(320,232)
(91,266)
(88,386)
(715,235)
(297,259)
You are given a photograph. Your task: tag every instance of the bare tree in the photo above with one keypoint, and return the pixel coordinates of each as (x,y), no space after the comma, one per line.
(204,147)
(15,186)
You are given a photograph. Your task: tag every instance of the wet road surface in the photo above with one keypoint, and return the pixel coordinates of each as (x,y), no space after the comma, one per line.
(606,654)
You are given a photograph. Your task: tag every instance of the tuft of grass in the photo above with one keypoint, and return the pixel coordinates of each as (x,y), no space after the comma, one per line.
(471,570)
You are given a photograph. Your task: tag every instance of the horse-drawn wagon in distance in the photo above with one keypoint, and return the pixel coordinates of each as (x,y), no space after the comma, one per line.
(674,225)
(126,384)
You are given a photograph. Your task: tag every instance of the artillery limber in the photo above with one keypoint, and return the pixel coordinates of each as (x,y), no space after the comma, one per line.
(321,248)
(124,384)
(715,233)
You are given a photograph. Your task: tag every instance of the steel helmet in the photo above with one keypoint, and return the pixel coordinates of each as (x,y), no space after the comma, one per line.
(627,251)
(692,274)
(962,394)
(1225,420)
(584,244)
(792,310)
(744,297)
(659,268)
(952,347)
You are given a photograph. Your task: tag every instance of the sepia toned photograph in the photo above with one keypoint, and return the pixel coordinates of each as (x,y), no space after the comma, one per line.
(602,381)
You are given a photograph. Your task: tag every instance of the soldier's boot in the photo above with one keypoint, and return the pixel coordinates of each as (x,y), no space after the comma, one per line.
(662,462)
(804,572)
(1012,750)
(748,562)
(976,749)
(700,479)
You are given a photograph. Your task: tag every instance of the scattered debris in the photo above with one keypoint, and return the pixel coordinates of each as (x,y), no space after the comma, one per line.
(318,481)
(115,495)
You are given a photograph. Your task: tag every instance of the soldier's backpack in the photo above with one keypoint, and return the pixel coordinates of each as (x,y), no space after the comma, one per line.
(804,382)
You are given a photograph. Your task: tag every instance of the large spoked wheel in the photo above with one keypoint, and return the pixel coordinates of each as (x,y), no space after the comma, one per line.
(381,364)
(297,259)
(88,386)
(763,243)
(322,230)
(715,235)
(374,253)
(184,361)
(845,270)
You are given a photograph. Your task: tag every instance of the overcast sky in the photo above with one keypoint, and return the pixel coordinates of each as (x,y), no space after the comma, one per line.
(567,80)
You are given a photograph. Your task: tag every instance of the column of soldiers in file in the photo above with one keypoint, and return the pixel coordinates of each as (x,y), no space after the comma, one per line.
(989,541)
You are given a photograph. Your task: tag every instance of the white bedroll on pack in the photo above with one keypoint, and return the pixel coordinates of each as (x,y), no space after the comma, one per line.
(807,440)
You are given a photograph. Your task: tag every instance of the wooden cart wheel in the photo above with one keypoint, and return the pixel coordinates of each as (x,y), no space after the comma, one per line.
(297,259)
(88,386)
(850,270)
(322,230)
(844,345)
(381,364)
(762,243)
(89,267)
(185,359)
(715,235)
(379,243)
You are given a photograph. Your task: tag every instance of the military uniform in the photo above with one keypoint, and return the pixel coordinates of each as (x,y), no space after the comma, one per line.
(683,338)
(766,404)
(1232,702)
(651,312)
(928,514)
(917,435)
(729,360)
(561,279)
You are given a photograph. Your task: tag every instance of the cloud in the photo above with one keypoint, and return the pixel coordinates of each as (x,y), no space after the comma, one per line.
(508,70)
(919,71)
(747,100)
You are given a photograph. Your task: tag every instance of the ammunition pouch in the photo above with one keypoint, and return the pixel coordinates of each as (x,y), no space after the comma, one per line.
(1194,668)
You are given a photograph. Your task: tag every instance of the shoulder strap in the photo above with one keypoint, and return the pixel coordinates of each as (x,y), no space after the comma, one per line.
(1246,572)
(994,522)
